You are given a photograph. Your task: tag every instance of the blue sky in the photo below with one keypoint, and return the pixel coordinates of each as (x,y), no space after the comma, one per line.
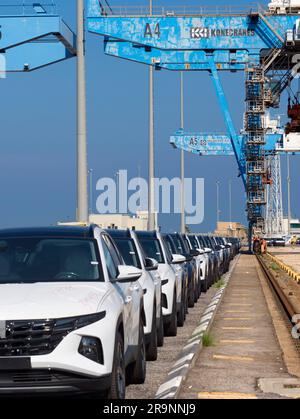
(38,133)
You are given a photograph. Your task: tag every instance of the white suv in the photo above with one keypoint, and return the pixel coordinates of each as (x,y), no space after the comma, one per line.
(133,254)
(71,314)
(201,260)
(172,280)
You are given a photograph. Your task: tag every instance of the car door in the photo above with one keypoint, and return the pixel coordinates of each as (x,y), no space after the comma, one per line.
(176,268)
(134,295)
(125,290)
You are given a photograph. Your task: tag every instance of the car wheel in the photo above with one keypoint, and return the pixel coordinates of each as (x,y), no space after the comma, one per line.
(186,303)
(118,383)
(181,314)
(191,299)
(137,373)
(196,292)
(204,285)
(152,347)
(171,326)
(160,332)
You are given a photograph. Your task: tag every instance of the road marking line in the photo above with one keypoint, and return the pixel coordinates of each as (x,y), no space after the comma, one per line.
(242,342)
(233,358)
(237,318)
(236,311)
(226,396)
(237,328)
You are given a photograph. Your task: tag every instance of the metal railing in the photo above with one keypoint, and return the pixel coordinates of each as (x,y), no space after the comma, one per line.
(24,8)
(124,10)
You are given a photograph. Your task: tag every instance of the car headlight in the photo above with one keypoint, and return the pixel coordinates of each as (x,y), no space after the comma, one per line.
(69,324)
(91,348)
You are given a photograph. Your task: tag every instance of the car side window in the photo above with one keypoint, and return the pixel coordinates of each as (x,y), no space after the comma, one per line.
(110,263)
(113,250)
(169,245)
(167,251)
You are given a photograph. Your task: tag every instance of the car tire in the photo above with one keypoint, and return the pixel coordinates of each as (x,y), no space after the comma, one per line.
(181,313)
(196,293)
(151,353)
(171,326)
(137,371)
(204,285)
(117,390)
(186,304)
(191,298)
(160,331)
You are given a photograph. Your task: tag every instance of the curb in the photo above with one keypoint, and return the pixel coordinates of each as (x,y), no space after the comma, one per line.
(286,268)
(178,374)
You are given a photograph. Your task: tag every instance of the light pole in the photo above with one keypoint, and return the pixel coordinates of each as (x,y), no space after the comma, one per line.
(218,202)
(182,155)
(230,204)
(118,187)
(289,191)
(151,197)
(82,167)
(91,191)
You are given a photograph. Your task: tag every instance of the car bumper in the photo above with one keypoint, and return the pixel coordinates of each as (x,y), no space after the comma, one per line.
(43,382)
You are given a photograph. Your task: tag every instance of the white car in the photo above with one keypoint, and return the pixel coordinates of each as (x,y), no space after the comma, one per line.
(172,302)
(201,260)
(133,254)
(71,314)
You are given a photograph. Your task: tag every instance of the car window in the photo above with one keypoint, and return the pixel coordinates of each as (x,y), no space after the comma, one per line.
(43,259)
(170,245)
(112,268)
(113,250)
(194,242)
(186,244)
(178,245)
(167,251)
(128,251)
(152,249)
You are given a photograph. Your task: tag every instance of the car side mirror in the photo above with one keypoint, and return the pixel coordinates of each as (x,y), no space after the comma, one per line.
(178,259)
(207,250)
(194,253)
(151,264)
(201,251)
(188,257)
(128,274)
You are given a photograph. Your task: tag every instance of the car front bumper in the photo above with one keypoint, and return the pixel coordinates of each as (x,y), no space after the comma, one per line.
(42,382)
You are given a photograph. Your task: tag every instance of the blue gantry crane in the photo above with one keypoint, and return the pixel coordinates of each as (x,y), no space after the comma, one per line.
(33,36)
(261,43)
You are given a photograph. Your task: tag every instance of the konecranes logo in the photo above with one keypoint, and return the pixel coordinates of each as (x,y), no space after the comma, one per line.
(199,32)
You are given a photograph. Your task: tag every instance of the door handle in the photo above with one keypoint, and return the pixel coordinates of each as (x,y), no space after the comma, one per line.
(128,299)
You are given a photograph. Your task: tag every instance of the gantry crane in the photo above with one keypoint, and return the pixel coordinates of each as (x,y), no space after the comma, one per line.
(33,36)
(261,43)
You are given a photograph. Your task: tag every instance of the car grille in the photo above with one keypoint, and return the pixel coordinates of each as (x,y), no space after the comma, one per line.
(36,337)
(40,337)
(39,378)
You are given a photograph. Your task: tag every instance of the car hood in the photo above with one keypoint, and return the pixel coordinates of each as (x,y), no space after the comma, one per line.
(48,301)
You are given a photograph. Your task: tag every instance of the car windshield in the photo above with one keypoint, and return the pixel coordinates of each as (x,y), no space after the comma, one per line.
(31,260)
(178,244)
(170,245)
(194,242)
(186,244)
(152,249)
(128,251)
